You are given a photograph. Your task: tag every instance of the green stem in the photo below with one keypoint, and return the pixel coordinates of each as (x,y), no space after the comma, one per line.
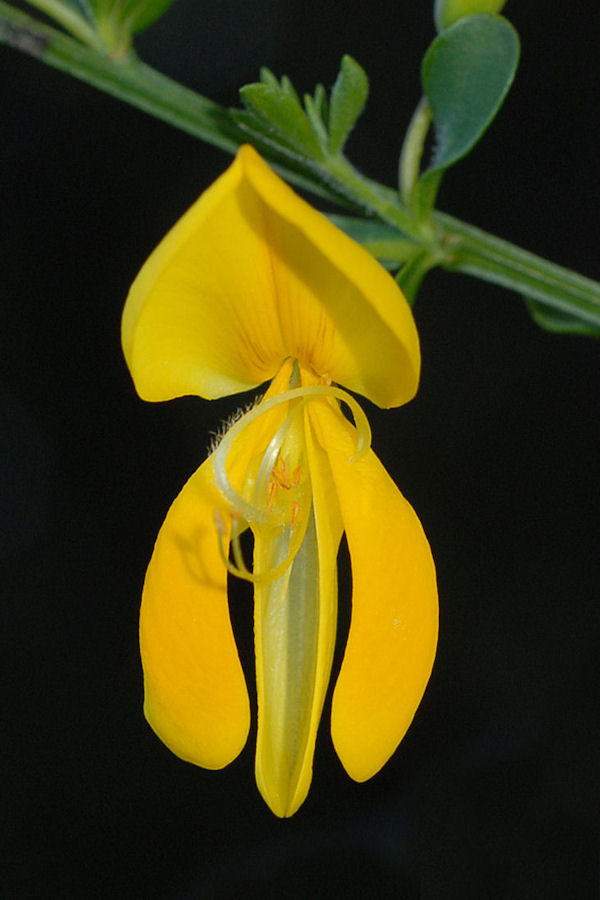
(126,78)
(412,152)
(478,253)
(456,245)
(371,197)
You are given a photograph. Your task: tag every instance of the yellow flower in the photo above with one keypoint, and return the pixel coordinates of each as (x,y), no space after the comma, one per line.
(253,285)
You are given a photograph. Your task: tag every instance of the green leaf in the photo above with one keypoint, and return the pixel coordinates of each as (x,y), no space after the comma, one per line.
(413,272)
(316,122)
(104,24)
(466,73)
(83,7)
(426,192)
(288,88)
(267,77)
(370,230)
(320,103)
(559,322)
(318,130)
(75,16)
(387,244)
(276,112)
(348,97)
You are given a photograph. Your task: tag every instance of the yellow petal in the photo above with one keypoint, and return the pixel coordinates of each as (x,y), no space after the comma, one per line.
(195,694)
(295,626)
(393,631)
(252,275)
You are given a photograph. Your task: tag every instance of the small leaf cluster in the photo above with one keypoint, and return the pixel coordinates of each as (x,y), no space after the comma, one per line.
(316,128)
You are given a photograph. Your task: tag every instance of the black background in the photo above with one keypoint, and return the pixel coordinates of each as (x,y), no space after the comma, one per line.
(493,793)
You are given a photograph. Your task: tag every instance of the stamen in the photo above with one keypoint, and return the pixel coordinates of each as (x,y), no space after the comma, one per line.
(295,512)
(239,567)
(271,492)
(281,476)
(236,548)
(269,459)
(262,515)
(239,572)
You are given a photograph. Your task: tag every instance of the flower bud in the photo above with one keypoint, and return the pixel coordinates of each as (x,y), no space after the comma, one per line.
(447,12)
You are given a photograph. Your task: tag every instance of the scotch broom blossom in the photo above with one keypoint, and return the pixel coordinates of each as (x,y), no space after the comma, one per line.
(252,285)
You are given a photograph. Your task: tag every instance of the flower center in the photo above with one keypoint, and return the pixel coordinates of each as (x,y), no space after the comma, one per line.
(276,494)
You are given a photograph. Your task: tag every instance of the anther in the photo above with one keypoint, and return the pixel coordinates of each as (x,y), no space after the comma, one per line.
(271,491)
(281,475)
(294,513)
